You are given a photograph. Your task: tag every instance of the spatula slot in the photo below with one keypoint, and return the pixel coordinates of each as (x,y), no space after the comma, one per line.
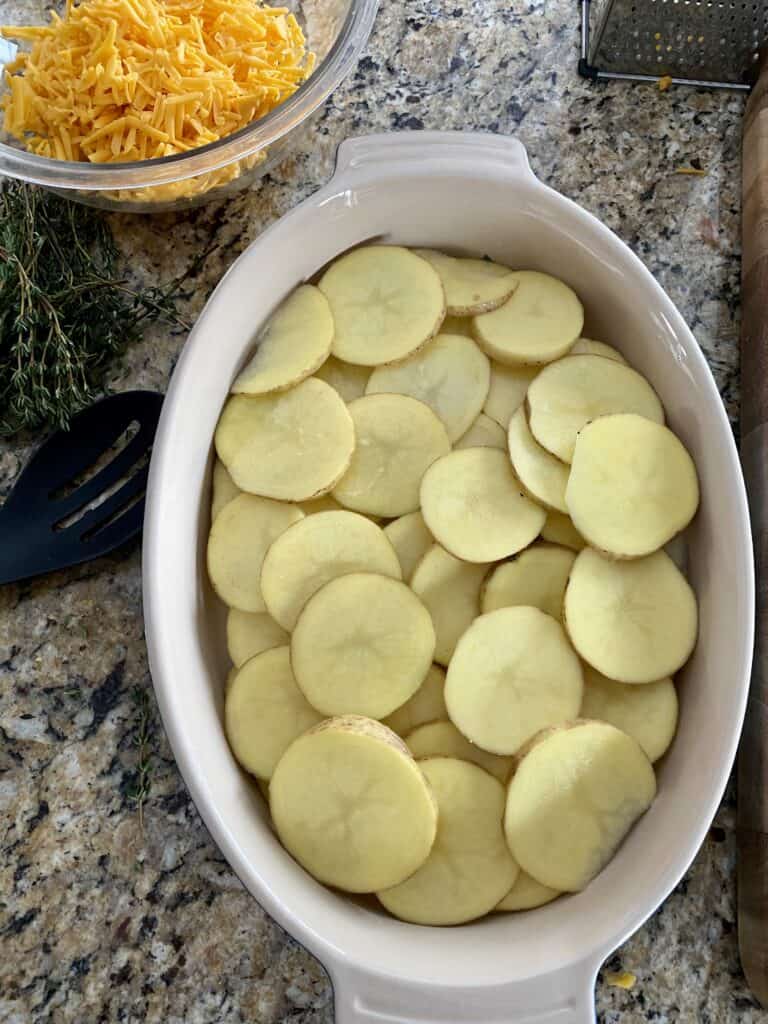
(104,459)
(92,504)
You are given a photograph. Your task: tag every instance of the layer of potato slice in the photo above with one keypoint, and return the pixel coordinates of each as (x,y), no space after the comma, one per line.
(457,325)
(507,391)
(386,303)
(265,711)
(632,485)
(450,375)
(352,806)
(426,705)
(346,378)
(397,439)
(223,486)
(363,644)
(411,540)
(294,343)
(648,712)
(588,347)
(527,893)
(558,529)
(317,550)
(541,474)
(565,396)
(634,621)
(474,506)
(325,503)
(574,796)
(484,433)
(471,286)
(442,739)
(250,633)
(537,577)
(450,589)
(237,543)
(469,868)
(539,323)
(294,445)
(513,673)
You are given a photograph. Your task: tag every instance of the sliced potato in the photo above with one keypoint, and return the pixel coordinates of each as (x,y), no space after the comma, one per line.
(588,347)
(223,486)
(473,505)
(398,438)
(352,806)
(471,286)
(469,868)
(325,503)
(526,894)
(541,474)
(574,796)
(237,543)
(484,433)
(513,673)
(265,711)
(386,303)
(506,394)
(363,644)
(558,529)
(633,621)
(411,540)
(426,705)
(293,446)
(648,713)
(295,342)
(632,485)
(450,589)
(317,550)
(539,323)
(537,577)
(450,375)
(457,325)
(443,739)
(565,396)
(347,379)
(250,633)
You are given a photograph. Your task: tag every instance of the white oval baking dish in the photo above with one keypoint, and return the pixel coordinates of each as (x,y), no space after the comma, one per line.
(470,192)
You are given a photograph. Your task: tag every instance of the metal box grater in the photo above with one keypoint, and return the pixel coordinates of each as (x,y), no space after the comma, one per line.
(694,42)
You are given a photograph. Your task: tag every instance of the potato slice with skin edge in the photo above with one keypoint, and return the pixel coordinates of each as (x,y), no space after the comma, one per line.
(450,375)
(537,577)
(224,488)
(575,794)
(363,643)
(450,590)
(588,347)
(484,433)
(469,867)
(513,673)
(426,705)
(398,438)
(237,543)
(294,343)
(473,505)
(386,303)
(411,540)
(539,323)
(558,529)
(507,391)
(292,446)
(265,711)
(352,776)
(526,894)
(565,396)
(250,633)
(347,379)
(542,475)
(634,621)
(319,549)
(443,739)
(471,286)
(648,713)
(632,485)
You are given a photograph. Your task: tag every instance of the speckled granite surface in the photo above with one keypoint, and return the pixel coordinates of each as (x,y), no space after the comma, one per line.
(101,921)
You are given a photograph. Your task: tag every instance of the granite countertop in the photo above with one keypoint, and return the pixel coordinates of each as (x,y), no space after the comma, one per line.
(110,915)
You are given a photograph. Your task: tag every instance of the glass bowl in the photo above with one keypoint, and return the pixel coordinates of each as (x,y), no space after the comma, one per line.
(336,30)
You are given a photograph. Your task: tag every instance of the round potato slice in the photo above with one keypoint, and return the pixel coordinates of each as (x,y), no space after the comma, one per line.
(537,577)
(265,711)
(237,543)
(632,485)
(450,590)
(250,633)
(443,739)
(317,550)
(574,796)
(224,488)
(386,303)
(587,347)
(527,893)
(345,378)
(363,644)
(648,713)
(473,505)
(398,438)
(469,868)
(565,396)
(294,343)
(352,806)
(471,286)
(633,621)
(539,323)
(507,391)
(484,433)
(293,446)
(426,705)
(513,674)
(558,529)
(411,540)
(450,375)
(541,474)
